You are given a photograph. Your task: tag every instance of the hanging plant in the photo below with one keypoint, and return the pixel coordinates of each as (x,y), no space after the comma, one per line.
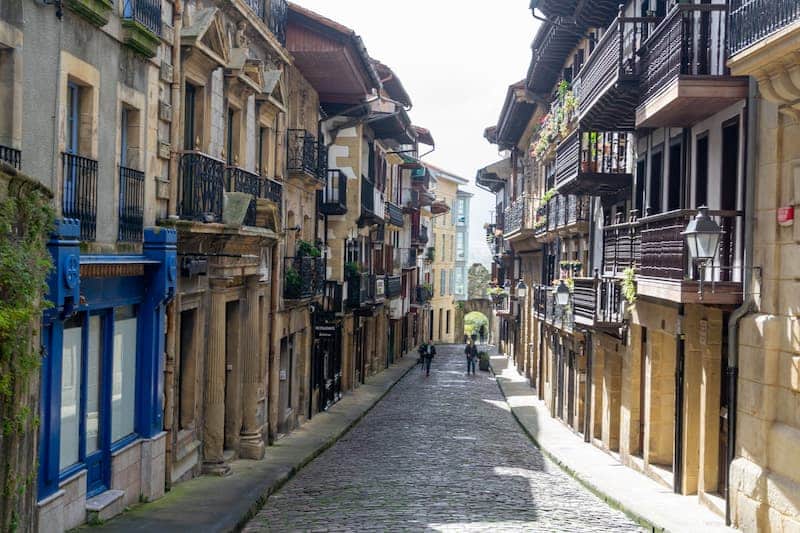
(629,285)
(549,195)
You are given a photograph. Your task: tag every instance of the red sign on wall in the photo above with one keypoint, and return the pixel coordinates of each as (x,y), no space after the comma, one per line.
(786,216)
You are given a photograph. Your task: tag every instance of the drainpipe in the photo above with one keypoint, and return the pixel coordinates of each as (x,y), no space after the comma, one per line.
(677,468)
(172,308)
(749,305)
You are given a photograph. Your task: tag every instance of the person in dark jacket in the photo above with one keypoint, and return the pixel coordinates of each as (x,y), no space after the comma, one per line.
(471,351)
(430,351)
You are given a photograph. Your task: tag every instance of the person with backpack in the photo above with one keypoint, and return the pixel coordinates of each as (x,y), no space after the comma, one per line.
(430,351)
(471,351)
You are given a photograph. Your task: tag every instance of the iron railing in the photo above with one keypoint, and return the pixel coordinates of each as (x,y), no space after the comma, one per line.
(80,193)
(372,203)
(202,187)
(278,10)
(515,215)
(358,288)
(304,277)
(577,208)
(394,286)
(690,41)
(541,220)
(131,205)
(12,156)
(621,248)
(419,235)
(333,197)
(540,295)
(272,190)
(145,12)
(422,295)
(302,153)
(332,298)
(753,20)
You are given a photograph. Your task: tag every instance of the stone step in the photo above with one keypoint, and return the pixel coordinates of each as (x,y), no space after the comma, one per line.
(104,506)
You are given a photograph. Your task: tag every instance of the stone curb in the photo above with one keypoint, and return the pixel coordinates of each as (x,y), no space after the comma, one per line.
(280,482)
(606,497)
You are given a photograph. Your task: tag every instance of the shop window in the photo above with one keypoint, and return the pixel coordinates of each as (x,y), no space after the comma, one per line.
(123,389)
(93,383)
(187,369)
(71,372)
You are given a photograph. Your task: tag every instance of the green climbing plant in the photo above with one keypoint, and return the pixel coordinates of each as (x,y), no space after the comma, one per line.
(629,285)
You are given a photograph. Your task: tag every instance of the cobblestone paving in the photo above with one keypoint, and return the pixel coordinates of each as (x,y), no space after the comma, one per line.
(439,453)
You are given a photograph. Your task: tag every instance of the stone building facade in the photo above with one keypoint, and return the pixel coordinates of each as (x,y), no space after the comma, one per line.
(610,159)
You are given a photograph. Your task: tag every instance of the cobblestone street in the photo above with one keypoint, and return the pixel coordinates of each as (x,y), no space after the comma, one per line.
(439,453)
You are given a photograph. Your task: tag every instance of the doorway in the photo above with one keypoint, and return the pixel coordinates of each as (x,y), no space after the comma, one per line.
(233,389)
(728,194)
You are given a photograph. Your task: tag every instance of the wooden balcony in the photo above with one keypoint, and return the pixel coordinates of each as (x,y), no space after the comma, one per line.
(595,163)
(684,78)
(621,248)
(553,43)
(607,84)
(598,303)
(668,273)
(568,214)
(394,286)
(597,13)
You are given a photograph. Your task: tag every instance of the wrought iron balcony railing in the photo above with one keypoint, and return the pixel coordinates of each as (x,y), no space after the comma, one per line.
(540,295)
(332,297)
(419,235)
(422,295)
(278,10)
(12,156)
(80,193)
(145,12)
(131,205)
(514,215)
(240,180)
(690,41)
(394,286)
(304,277)
(358,289)
(753,20)
(333,198)
(202,187)
(305,155)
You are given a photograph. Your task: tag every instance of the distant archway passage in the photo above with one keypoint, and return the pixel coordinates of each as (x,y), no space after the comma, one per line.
(481,305)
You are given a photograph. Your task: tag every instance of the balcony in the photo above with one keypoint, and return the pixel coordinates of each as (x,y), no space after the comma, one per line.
(667,272)
(306,158)
(439,207)
(358,289)
(11,156)
(607,85)
(594,163)
(131,205)
(373,205)
(333,197)
(752,21)
(567,215)
(332,301)
(553,43)
(540,295)
(419,236)
(595,14)
(684,78)
(394,215)
(202,187)
(598,303)
(405,258)
(304,277)
(273,13)
(621,248)
(394,286)
(422,295)
(141,24)
(240,180)
(79,199)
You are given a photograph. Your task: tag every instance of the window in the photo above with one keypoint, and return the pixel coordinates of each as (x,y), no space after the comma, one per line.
(189,114)
(701,174)
(656,179)
(123,390)
(675,175)
(461,209)
(71,372)
(452,281)
(460,247)
(442,280)
(447,322)
(187,369)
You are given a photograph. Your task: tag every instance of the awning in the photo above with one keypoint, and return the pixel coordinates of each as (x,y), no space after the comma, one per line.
(424,135)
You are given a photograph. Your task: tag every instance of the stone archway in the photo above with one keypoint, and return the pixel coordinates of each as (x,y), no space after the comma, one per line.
(481,305)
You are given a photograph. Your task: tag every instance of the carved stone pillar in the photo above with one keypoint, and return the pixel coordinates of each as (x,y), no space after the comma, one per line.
(214,397)
(251,444)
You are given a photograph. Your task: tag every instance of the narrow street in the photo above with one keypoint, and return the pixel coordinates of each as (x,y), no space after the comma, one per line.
(439,453)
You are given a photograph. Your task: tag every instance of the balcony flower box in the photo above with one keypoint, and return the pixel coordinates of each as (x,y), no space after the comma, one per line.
(234,208)
(139,38)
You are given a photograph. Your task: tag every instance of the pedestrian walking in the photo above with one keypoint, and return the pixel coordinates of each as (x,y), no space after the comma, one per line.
(471,351)
(421,351)
(430,351)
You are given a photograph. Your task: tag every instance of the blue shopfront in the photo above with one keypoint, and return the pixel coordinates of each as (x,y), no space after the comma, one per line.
(102,370)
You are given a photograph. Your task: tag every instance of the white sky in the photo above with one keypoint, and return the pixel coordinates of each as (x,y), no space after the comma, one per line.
(456,60)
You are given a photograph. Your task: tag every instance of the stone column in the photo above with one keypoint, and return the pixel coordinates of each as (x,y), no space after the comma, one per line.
(252,444)
(214,397)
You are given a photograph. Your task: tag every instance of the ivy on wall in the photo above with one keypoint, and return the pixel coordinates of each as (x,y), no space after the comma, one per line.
(26,220)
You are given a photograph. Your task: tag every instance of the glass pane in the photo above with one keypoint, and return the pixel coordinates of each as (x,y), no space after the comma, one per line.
(70,395)
(93,385)
(123,387)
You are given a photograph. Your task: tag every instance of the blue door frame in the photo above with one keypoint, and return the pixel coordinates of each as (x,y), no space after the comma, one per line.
(71,295)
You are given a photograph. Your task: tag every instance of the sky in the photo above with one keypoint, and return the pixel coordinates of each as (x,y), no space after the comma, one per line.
(456,60)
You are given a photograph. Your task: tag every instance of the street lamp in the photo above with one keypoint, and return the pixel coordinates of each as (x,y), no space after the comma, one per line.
(522,290)
(562,294)
(702,235)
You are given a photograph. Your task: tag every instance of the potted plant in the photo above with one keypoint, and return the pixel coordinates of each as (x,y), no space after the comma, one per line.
(307,249)
(484,362)
(351,269)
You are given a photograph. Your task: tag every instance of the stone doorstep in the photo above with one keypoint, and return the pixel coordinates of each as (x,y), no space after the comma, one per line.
(105,506)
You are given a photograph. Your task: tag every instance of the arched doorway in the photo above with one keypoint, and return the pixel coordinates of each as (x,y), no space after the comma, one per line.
(483,308)
(476,324)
